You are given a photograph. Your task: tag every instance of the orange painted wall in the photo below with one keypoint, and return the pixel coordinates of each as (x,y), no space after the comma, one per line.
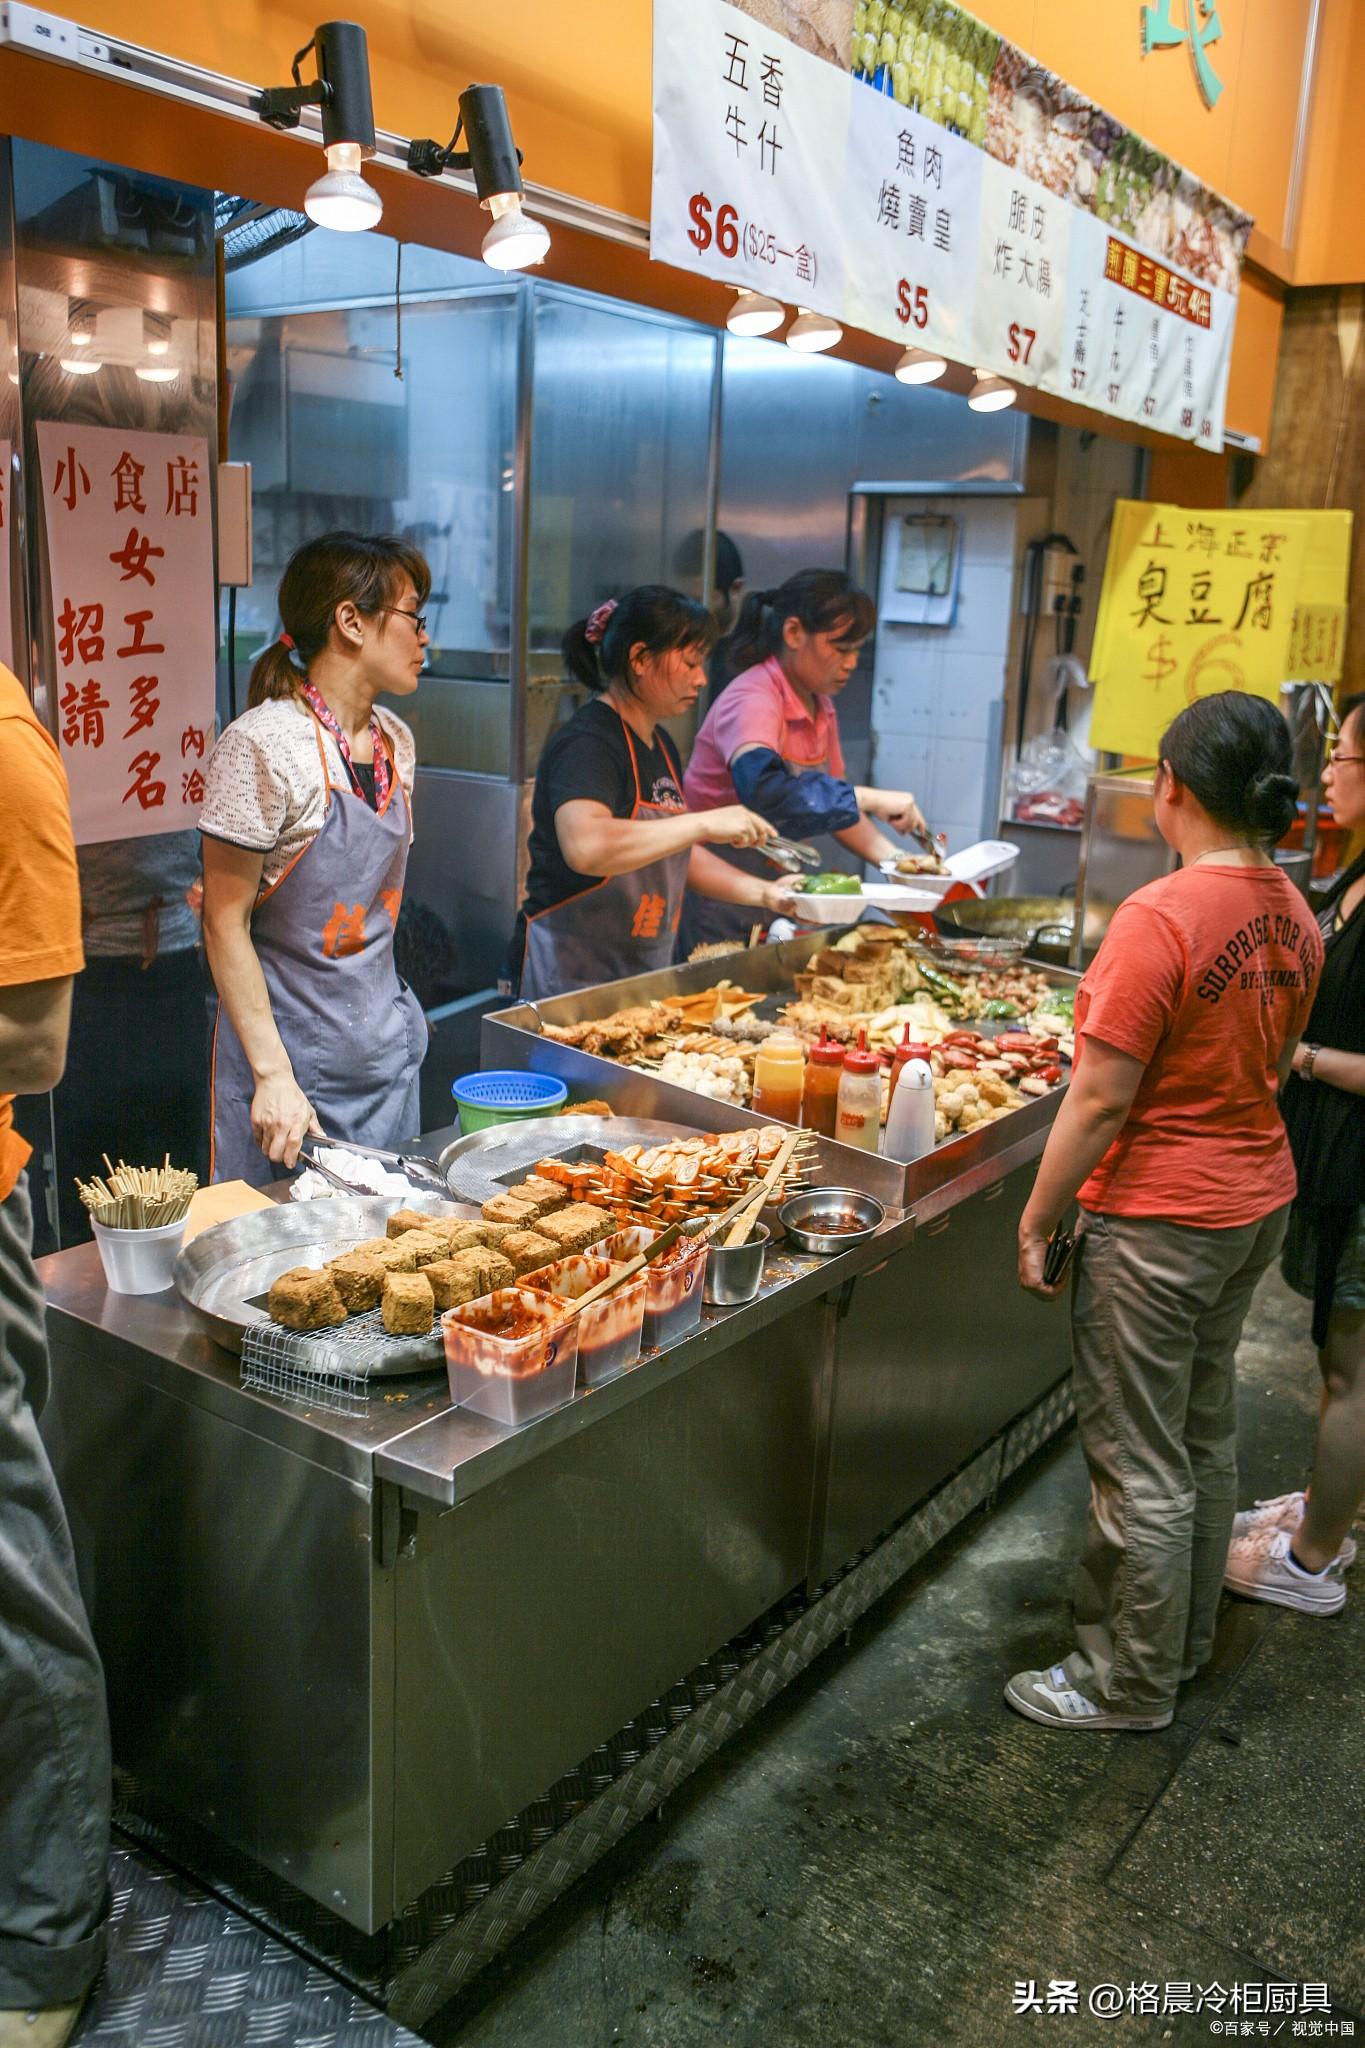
(1330,246)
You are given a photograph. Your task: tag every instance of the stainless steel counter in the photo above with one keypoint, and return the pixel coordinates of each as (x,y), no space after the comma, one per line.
(352,1646)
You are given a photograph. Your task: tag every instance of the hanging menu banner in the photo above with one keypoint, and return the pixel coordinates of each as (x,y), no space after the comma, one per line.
(129,531)
(942,190)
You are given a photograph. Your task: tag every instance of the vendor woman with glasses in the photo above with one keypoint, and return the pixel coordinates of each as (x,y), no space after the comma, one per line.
(772,740)
(613,845)
(306,827)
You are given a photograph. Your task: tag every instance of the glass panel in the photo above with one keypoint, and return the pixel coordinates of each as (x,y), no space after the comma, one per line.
(620,445)
(337,439)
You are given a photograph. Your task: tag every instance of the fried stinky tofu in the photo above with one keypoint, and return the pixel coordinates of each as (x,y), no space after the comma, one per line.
(405,1219)
(467,1237)
(408,1305)
(508,1209)
(527,1249)
(468,1275)
(359,1280)
(425,1246)
(304,1299)
(575,1228)
(394,1254)
(543,1195)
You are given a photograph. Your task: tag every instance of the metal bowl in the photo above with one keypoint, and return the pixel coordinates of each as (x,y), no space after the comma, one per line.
(800,1218)
(734,1273)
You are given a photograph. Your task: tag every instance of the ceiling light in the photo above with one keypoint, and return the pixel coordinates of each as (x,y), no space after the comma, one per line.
(515,240)
(156,334)
(753,313)
(157,373)
(811,332)
(990,393)
(340,199)
(80,366)
(919,366)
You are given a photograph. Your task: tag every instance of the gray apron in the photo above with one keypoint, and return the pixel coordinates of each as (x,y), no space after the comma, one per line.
(354,1033)
(623,925)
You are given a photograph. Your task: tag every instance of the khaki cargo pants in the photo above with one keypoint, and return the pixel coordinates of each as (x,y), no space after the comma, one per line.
(1157,1312)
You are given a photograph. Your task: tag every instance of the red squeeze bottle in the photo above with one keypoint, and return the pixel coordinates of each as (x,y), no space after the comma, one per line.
(820,1094)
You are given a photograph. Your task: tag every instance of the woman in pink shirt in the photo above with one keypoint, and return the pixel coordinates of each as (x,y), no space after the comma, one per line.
(771,740)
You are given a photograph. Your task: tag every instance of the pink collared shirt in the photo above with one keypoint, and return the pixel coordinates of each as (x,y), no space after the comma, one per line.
(759,709)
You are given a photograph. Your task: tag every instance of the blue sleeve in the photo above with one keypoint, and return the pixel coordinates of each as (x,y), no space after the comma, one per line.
(798,805)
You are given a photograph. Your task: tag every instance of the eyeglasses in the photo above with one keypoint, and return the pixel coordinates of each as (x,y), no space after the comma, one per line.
(1345,760)
(419,619)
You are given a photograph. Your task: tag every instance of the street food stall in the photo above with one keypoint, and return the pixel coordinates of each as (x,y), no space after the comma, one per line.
(375,1650)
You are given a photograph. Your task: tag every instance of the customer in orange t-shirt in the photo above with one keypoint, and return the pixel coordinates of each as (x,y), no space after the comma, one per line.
(1171,1138)
(54,1734)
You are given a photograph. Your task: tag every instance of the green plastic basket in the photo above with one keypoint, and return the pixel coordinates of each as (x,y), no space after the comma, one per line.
(503,1097)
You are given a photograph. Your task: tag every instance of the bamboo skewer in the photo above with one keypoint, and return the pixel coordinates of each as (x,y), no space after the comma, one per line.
(749,1216)
(138,1197)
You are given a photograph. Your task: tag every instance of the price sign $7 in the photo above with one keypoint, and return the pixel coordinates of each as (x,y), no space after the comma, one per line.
(1021,340)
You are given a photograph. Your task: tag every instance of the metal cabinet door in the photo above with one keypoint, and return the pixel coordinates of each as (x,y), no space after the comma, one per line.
(939,1349)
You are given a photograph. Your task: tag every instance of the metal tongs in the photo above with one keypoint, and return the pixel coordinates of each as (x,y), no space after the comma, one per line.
(421,1172)
(790,854)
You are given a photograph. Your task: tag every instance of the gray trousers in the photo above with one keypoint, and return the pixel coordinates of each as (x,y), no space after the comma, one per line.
(54,1730)
(1157,1314)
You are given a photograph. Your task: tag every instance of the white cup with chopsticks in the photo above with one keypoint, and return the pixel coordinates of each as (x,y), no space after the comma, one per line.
(138,1216)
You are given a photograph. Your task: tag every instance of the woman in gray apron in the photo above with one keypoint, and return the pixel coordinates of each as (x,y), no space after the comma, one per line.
(771,740)
(306,827)
(613,846)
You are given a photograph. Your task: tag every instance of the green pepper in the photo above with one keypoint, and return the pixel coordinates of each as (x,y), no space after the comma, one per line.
(831,883)
(997,1008)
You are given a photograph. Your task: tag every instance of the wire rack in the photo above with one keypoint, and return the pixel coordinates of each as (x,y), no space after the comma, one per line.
(327,1369)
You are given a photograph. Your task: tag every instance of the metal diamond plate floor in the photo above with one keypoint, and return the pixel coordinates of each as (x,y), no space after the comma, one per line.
(186,1971)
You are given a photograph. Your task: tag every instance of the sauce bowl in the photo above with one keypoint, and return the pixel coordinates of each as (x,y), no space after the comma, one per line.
(802,1217)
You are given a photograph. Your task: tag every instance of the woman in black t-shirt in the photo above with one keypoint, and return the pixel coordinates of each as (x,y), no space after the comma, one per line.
(613,845)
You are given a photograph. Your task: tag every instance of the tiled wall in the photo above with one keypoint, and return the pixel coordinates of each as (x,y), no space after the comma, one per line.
(938,691)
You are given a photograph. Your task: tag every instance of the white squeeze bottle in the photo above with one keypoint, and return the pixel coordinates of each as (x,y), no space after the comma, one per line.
(859,1116)
(910,1123)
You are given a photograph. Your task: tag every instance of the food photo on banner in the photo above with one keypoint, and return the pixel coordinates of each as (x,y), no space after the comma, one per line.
(910,172)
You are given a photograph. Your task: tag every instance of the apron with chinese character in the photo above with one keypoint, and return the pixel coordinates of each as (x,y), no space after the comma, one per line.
(706,922)
(354,1033)
(626,924)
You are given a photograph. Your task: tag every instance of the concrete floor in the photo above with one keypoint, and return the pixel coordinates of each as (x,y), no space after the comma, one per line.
(886,1853)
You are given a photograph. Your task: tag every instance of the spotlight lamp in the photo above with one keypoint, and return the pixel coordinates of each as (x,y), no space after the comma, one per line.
(340,198)
(514,241)
(755,313)
(811,333)
(991,393)
(919,366)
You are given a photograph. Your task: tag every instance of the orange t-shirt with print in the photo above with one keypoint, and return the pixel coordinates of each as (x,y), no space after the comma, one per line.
(1205,976)
(40,897)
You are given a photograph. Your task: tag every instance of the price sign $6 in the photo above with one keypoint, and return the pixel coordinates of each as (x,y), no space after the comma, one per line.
(725,232)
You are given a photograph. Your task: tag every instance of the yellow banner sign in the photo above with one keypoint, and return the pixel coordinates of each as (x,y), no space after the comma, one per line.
(1195,602)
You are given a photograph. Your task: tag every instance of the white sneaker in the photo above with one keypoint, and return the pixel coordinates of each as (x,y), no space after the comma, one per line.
(1259,1567)
(1050,1697)
(1284,1511)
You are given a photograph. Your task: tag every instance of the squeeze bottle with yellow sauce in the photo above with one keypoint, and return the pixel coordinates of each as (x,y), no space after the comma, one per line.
(860,1097)
(779,1076)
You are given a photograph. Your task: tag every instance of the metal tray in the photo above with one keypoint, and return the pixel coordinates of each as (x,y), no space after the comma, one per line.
(486,1163)
(225,1272)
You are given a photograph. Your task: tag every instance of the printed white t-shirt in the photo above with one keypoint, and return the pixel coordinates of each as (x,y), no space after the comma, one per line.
(266,788)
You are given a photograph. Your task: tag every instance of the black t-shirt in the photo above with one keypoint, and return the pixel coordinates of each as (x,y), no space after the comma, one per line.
(589,759)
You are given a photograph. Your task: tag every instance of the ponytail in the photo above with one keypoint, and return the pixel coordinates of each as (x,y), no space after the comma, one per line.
(823,600)
(366,570)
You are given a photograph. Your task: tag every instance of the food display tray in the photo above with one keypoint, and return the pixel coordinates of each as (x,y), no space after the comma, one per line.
(487,1163)
(225,1273)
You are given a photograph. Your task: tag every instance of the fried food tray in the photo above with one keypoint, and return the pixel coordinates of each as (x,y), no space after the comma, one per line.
(224,1276)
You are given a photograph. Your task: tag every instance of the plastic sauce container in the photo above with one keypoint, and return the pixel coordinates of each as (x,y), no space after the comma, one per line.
(860,1098)
(510,1355)
(910,1119)
(609,1333)
(779,1076)
(820,1095)
(674,1283)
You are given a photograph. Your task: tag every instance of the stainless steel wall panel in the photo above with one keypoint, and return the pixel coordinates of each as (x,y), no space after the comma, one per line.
(463,865)
(536,1619)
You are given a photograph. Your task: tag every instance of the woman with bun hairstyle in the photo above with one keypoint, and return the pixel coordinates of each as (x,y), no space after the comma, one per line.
(306,827)
(613,845)
(1293,1549)
(1171,1139)
(771,740)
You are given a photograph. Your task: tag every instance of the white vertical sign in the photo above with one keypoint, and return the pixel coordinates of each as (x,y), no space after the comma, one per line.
(129,530)
(914,207)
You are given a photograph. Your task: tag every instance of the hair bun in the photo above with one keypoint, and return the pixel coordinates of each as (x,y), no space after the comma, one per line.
(1273,802)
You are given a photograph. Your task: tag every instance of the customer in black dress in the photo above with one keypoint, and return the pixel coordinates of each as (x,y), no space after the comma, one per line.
(1293,1549)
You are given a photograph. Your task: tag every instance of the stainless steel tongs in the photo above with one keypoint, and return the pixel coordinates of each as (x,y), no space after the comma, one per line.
(790,854)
